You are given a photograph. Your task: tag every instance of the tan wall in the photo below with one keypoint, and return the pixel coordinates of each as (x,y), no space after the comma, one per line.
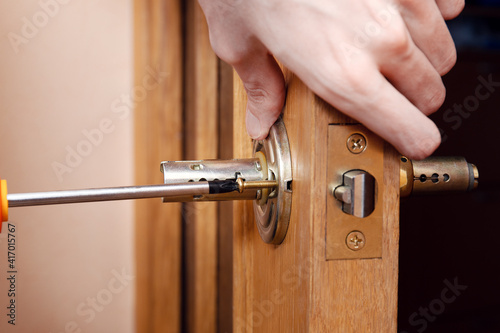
(59,81)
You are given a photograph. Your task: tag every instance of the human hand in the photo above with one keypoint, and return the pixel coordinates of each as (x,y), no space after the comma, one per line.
(378,61)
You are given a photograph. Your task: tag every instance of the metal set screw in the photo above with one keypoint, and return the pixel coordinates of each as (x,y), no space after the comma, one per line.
(356,143)
(355,240)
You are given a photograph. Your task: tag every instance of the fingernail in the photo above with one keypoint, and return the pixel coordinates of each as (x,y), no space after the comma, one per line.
(253,125)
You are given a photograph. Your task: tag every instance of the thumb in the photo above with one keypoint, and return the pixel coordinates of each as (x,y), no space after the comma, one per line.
(265,87)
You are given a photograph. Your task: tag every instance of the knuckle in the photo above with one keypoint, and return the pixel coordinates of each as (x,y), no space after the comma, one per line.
(409,3)
(435,100)
(226,52)
(396,41)
(257,94)
(424,148)
(266,101)
(448,63)
(356,80)
(224,46)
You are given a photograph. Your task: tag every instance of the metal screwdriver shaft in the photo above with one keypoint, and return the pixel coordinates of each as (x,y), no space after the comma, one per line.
(105,194)
(126,193)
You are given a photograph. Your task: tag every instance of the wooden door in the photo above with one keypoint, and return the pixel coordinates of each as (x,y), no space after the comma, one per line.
(183,251)
(158,136)
(292,287)
(209,271)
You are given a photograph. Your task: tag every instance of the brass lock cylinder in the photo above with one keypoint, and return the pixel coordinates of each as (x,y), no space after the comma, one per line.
(437,174)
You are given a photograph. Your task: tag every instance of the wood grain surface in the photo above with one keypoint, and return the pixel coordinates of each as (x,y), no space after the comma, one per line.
(158,137)
(184,256)
(292,287)
(225,229)
(201,142)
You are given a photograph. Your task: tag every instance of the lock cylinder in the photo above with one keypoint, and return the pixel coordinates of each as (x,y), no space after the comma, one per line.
(266,178)
(250,169)
(437,174)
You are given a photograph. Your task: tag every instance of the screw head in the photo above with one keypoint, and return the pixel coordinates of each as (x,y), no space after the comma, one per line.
(355,240)
(356,143)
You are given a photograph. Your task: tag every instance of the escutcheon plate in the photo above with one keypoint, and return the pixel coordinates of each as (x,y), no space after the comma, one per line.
(272,216)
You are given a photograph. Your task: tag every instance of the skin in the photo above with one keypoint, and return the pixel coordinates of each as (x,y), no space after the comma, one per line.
(378,61)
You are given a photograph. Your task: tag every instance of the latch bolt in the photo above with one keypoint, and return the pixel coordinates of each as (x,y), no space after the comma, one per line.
(357,193)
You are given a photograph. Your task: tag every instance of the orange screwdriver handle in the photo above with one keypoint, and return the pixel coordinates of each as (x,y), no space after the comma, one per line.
(4,205)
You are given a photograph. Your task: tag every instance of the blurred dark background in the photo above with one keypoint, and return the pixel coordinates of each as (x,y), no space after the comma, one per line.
(456,238)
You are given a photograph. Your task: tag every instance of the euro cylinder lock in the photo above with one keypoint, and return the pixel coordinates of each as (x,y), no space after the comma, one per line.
(437,174)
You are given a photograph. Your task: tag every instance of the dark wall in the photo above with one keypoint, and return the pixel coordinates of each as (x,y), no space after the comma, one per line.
(455,240)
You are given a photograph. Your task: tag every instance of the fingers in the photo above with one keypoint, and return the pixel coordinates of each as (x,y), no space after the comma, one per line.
(429,32)
(265,87)
(262,78)
(379,106)
(399,122)
(413,75)
(450,8)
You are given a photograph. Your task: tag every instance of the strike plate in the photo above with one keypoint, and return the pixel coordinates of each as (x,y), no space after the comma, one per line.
(348,236)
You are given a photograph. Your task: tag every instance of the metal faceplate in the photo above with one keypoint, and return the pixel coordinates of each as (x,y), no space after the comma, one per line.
(272,216)
(354,232)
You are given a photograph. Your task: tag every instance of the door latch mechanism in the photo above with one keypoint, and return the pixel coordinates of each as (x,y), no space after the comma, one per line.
(271,164)
(432,175)
(266,178)
(357,193)
(355,181)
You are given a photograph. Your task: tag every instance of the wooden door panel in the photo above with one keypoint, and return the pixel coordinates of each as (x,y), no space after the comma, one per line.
(291,287)
(285,288)
(200,142)
(158,125)
(183,252)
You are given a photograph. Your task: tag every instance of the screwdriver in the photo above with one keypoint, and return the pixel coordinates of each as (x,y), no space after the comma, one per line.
(125,193)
